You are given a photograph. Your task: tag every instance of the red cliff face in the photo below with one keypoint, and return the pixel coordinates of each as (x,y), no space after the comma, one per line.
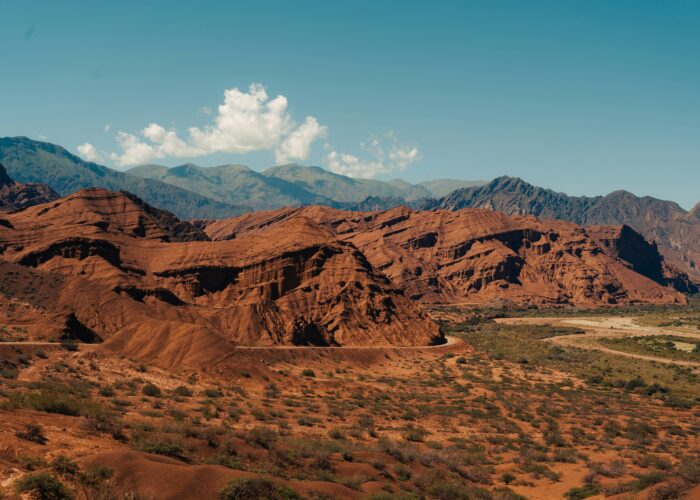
(105,267)
(14,195)
(475,255)
(152,286)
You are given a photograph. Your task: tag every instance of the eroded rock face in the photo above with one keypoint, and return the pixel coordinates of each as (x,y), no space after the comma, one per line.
(623,242)
(475,255)
(151,286)
(14,196)
(676,231)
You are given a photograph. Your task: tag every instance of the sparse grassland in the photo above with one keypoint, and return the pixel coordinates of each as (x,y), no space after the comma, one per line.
(503,414)
(670,346)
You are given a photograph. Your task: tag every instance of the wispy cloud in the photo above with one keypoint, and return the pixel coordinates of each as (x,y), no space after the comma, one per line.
(381,156)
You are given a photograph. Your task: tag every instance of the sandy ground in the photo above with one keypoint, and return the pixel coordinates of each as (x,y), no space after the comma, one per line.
(598,328)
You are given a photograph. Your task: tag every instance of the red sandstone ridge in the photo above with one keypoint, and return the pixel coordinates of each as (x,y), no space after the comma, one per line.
(476,255)
(115,269)
(14,195)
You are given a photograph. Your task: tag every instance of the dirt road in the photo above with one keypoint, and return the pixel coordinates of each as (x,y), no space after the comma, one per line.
(598,328)
(450,342)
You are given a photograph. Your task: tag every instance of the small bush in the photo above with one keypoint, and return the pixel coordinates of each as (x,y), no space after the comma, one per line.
(44,486)
(107,392)
(645,480)
(262,436)
(507,477)
(151,390)
(213,393)
(582,492)
(96,476)
(415,434)
(183,391)
(33,433)
(308,373)
(64,466)
(167,448)
(256,488)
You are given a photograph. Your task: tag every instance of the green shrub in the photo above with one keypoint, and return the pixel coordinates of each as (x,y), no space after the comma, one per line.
(689,469)
(645,480)
(151,390)
(167,448)
(262,436)
(183,391)
(308,373)
(507,477)
(582,492)
(255,489)
(64,466)
(44,486)
(415,434)
(53,397)
(107,392)
(96,476)
(213,393)
(33,433)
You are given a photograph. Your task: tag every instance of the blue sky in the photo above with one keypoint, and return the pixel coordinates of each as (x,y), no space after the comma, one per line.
(580,96)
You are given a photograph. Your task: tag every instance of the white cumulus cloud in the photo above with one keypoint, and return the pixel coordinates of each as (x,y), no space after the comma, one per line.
(90,152)
(381,157)
(244,122)
(298,143)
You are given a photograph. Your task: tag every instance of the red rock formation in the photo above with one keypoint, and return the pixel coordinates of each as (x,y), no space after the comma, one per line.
(14,195)
(475,255)
(155,287)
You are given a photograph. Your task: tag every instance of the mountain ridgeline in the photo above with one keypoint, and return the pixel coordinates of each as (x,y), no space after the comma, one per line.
(675,230)
(193,192)
(30,161)
(190,191)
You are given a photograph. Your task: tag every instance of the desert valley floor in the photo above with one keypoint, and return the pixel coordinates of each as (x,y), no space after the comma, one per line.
(500,411)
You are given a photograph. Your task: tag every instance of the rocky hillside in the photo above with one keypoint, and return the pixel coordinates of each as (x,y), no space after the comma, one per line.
(288,185)
(33,161)
(479,256)
(154,287)
(676,231)
(235,184)
(14,195)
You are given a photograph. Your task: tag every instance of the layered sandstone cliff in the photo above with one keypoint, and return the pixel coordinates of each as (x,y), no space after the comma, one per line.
(475,255)
(151,285)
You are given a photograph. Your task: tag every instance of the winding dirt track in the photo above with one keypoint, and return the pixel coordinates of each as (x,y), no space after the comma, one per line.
(598,328)
(450,342)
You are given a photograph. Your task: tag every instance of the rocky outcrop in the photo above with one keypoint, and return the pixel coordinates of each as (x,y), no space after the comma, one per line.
(675,231)
(479,255)
(624,243)
(147,284)
(14,196)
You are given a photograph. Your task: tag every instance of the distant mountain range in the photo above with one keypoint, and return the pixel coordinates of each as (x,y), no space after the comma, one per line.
(191,191)
(30,161)
(675,230)
(292,185)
